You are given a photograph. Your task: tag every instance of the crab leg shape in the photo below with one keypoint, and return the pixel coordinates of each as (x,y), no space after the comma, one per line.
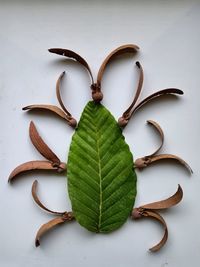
(97,95)
(145,161)
(71,54)
(62,113)
(62,216)
(53,162)
(150,210)
(123,121)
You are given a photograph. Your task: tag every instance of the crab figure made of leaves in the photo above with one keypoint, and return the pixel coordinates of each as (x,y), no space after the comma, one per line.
(101,173)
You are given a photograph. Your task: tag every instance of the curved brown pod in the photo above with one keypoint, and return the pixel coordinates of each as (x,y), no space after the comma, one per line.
(141,163)
(66,217)
(46,227)
(161,134)
(31,165)
(159,218)
(167,91)
(71,121)
(41,146)
(156,158)
(150,211)
(122,121)
(128,48)
(50,108)
(39,203)
(59,96)
(166,203)
(71,54)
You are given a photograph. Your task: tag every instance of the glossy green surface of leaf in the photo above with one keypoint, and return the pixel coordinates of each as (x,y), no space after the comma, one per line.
(101,178)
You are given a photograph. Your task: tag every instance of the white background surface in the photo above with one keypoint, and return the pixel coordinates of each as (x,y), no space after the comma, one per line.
(168,35)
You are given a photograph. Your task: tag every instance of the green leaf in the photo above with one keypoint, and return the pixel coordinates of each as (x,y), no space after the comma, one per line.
(101,178)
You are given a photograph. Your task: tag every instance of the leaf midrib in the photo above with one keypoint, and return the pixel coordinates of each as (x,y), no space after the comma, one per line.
(100,179)
(97,133)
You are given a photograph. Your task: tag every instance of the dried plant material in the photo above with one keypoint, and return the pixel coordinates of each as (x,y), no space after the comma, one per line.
(97,95)
(63,216)
(39,203)
(56,110)
(101,178)
(129,48)
(123,120)
(44,150)
(49,225)
(148,210)
(54,162)
(30,166)
(167,203)
(73,55)
(159,218)
(59,96)
(160,131)
(145,161)
(168,157)
(169,91)
(41,146)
